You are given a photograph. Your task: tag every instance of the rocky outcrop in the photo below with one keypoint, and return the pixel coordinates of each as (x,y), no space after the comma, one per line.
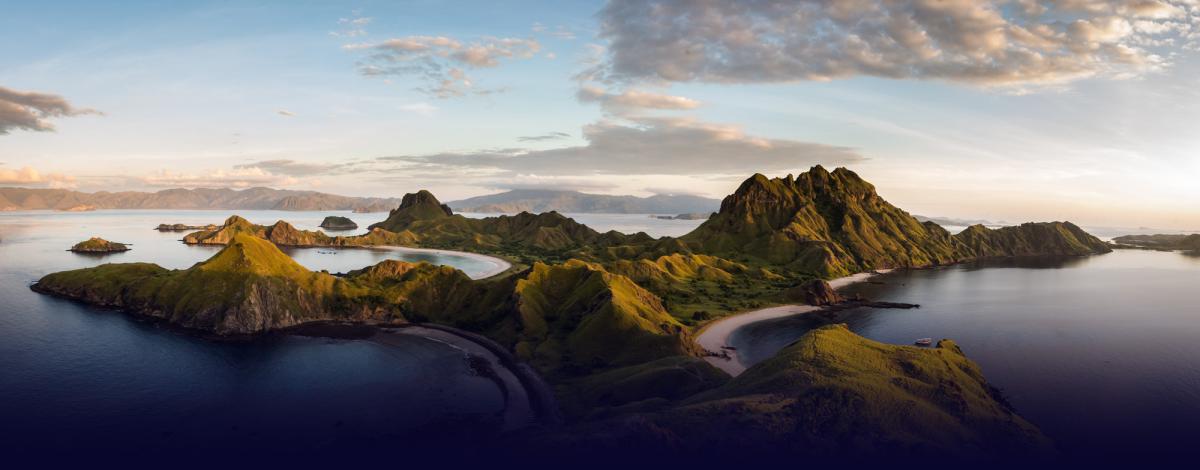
(334,222)
(99,245)
(815,292)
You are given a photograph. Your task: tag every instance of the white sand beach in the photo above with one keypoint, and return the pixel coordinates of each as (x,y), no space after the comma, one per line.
(716,335)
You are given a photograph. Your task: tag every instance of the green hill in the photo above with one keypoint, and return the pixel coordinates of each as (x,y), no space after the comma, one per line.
(827,224)
(831,393)
(1031,239)
(833,224)
(577,318)
(251,287)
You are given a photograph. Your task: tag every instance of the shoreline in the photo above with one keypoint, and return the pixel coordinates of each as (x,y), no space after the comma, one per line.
(499,265)
(714,336)
(528,399)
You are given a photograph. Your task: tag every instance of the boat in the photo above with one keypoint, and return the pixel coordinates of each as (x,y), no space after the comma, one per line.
(924,342)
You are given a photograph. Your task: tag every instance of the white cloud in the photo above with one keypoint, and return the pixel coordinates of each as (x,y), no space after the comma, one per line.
(1007,43)
(29,110)
(27,176)
(284,112)
(352,27)
(631,100)
(441,62)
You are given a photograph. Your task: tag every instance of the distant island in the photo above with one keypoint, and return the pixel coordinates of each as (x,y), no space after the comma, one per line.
(98,245)
(183,227)
(690,216)
(1169,242)
(609,319)
(14,199)
(544,200)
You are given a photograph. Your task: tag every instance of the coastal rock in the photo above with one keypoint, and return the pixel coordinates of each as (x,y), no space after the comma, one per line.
(98,245)
(815,292)
(334,222)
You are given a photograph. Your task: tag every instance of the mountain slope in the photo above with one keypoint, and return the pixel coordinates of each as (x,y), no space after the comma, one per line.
(538,200)
(577,318)
(830,224)
(201,198)
(1031,239)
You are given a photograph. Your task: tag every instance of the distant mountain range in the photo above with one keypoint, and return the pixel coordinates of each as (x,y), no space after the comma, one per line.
(540,200)
(13,199)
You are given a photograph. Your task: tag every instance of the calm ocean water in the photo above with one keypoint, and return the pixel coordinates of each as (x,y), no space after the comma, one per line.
(1103,353)
(76,377)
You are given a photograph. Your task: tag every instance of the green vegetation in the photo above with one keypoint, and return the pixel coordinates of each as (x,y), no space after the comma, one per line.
(832,393)
(98,245)
(577,318)
(1032,239)
(607,316)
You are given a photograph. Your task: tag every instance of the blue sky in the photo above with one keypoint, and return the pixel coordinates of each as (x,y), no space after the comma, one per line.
(1098,129)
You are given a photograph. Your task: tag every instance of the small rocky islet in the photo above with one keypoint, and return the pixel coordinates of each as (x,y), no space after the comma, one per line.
(608,318)
(334,222)
(99,245)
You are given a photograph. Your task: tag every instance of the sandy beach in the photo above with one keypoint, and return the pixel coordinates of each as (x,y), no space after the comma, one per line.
(716,335)
(497,265)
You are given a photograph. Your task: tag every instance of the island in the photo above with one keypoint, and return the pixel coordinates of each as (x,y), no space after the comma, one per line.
(183,227)
(334,222)
(688,216)
(79,208)
(1165,242)
(610,319)
(99,245)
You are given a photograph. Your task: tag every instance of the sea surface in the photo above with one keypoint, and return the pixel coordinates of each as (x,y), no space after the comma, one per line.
(1102,353)
(83,378)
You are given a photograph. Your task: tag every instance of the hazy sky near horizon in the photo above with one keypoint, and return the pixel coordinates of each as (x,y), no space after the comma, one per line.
(1011,110)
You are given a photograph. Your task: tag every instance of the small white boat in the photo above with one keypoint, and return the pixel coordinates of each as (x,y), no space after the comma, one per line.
(924,342)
